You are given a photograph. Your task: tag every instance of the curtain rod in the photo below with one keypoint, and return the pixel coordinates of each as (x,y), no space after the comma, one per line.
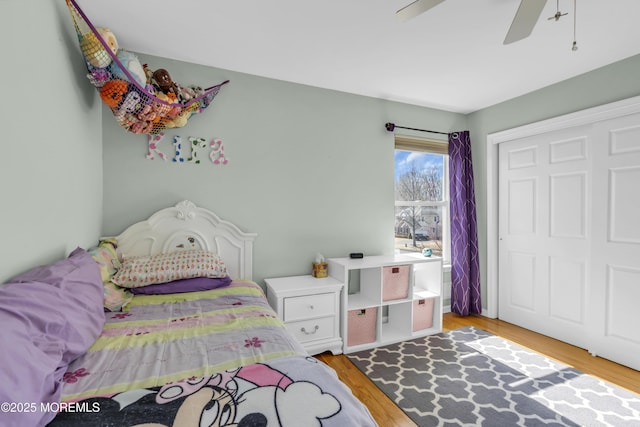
(391,126)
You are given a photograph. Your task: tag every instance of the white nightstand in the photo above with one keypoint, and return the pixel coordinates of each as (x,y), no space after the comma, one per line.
(310,308)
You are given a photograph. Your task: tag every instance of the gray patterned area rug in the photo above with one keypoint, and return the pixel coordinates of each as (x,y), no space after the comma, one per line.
(468,377)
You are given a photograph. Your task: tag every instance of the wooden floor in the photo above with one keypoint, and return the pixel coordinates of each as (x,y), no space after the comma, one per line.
(387,414)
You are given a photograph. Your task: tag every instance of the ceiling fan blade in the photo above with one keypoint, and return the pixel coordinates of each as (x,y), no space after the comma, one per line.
(416,8)
(526,18)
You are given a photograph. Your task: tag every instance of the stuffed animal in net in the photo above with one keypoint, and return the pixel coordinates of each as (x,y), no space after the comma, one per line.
(163,82)
(187,93)
(113,92)
(94,51)
(142,101)
(130,61)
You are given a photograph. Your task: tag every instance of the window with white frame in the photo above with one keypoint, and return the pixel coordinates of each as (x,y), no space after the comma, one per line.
(422,196)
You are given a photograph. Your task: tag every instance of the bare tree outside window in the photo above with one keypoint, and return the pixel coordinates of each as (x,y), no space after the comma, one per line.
(420,205)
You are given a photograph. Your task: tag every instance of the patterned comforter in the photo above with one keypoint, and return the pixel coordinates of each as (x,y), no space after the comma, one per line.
(211,358)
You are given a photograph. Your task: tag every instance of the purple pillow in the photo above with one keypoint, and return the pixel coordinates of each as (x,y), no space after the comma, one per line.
(49,315)
(184,285)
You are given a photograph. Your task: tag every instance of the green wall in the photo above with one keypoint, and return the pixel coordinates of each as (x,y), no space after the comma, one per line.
(51,163)
(310,170)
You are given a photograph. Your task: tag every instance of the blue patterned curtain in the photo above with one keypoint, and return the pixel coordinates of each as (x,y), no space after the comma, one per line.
(465,265)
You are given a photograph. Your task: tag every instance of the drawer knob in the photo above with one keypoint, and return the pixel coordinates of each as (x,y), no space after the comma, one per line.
(311,307)
(315,329)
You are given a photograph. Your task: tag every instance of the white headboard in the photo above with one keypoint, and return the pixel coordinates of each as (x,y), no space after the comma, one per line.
(186,226)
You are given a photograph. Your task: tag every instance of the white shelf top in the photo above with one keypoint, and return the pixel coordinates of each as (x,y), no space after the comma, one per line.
(357,301)
(294,284)
(424,294)
(383,260)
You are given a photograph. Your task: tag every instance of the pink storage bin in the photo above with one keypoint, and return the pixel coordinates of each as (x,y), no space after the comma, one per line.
(395,282)
(361,326)
(422,314)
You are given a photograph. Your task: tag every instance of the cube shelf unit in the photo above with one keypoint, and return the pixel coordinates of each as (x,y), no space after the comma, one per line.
(397,319)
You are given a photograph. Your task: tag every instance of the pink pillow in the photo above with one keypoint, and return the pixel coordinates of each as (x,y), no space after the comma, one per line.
(184,285)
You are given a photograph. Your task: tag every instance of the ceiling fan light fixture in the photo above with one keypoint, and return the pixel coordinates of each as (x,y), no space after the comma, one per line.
(574,47)
(558,14)
(524,21)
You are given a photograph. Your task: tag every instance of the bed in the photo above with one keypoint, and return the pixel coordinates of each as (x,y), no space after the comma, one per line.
(178,352)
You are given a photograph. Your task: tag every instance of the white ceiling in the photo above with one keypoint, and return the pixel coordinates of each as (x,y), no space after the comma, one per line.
(451,57)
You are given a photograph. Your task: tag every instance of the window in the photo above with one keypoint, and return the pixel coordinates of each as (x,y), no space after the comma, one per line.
(422,196)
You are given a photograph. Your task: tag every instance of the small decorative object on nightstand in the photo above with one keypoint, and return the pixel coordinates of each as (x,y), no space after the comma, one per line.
(320,268)
(310,309)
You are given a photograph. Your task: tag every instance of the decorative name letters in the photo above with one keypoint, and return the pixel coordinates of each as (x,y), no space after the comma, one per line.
(198,147)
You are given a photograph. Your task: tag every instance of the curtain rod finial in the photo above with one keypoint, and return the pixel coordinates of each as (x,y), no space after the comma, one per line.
(390,126)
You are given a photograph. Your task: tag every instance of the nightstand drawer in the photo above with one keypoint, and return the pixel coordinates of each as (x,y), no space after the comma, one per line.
(308,306)
(310,309)
(311,330)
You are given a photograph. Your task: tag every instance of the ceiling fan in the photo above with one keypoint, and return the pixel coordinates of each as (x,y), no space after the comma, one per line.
(525,19)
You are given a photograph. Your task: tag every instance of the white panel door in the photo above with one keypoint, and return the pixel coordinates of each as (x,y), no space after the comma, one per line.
(569,235)
(615,267)
(544,205)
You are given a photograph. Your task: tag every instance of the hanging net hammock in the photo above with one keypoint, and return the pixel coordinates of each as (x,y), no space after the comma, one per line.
(142,100)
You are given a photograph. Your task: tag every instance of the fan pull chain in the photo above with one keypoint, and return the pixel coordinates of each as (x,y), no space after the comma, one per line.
(574,47)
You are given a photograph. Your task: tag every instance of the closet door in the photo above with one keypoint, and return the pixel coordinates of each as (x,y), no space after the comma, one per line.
(615,267)
(544,224)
